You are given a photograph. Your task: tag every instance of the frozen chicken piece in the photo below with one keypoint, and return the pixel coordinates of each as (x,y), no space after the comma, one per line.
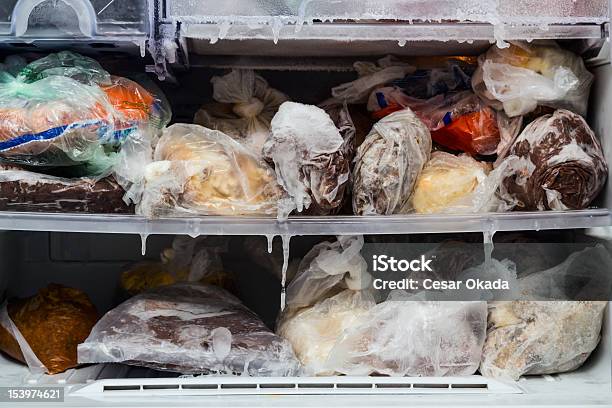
(556,163)
(451,183)
(311,156)
(44,330)
(188,328)
(245,107)
(519,78)
(388,164)
(199,171)
(548,337)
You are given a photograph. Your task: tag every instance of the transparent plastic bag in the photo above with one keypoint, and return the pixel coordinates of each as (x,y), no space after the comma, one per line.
(66,64)
(188,328)
(188,260)
(311,155)
(556,163)
(22,190)
(456,184)
(546,337)
(44,330)
(388,164)
(246,106)
(198,171)
(55,121)
(458,121)
(519,78)
(402,337)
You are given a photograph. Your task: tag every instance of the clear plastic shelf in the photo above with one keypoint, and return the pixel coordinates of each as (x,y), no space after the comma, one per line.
(338,225)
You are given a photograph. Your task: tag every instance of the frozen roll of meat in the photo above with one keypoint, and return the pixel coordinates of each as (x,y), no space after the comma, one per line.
(547,337)
(311,149)
(44,330)
(556,163)
(199,171)
(188,328)
(453,184)
(388,164)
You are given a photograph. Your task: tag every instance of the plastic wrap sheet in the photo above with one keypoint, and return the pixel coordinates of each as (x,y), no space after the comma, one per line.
(188,260)
(456,184)
(556,163)
(188,328)
(458,121)
(548,337)
(388,164)
(519,78)
(22,190)
(198,171)
(245,108)
(311,150)
(44,330)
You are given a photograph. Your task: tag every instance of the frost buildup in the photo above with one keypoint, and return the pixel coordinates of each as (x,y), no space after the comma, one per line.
(307,150)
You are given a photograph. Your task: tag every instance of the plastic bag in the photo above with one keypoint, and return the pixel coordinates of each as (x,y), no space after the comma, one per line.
(188,260)
(44,330)
(457,121)
(198,171)
(450,76)
(191,329)
(22,190)
(456,184)
(311,155)
(55,121)
(66,64)
(556,163)
(246,107)
(530,338)
(388,164)
(371,76)
(519,78)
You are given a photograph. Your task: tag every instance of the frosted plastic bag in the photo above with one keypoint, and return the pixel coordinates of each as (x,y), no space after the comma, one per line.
(456,184)
(519,78)
(328,268)
(246,107)
(556,163)
(548,337)
(44,330)
(198,171)
(457,121)
(22,190)
(55,121)
(401,337)
(191,329)
(371,76)
(188,260)
(388,164)
(311,155)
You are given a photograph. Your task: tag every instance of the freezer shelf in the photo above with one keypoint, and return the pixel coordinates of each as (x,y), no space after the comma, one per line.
(339,225)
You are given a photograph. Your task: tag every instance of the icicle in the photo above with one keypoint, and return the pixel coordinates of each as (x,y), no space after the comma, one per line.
(401,43)
(488,248)
(277,24)
(270,239)
(143,243)
(224,29)
(285,239)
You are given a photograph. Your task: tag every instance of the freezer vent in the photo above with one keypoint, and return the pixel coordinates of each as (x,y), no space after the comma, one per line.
(126,387)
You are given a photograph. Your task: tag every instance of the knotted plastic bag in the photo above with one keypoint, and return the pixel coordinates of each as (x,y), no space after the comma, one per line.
(519,78)
(246,106)
(198,171)
(388,164)
(191,329)
(44,330)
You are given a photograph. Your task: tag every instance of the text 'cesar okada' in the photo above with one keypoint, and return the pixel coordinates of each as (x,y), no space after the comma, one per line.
(384,263)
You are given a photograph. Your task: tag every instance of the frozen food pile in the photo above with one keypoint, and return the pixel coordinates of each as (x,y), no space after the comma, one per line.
(505,132)
(180,316)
